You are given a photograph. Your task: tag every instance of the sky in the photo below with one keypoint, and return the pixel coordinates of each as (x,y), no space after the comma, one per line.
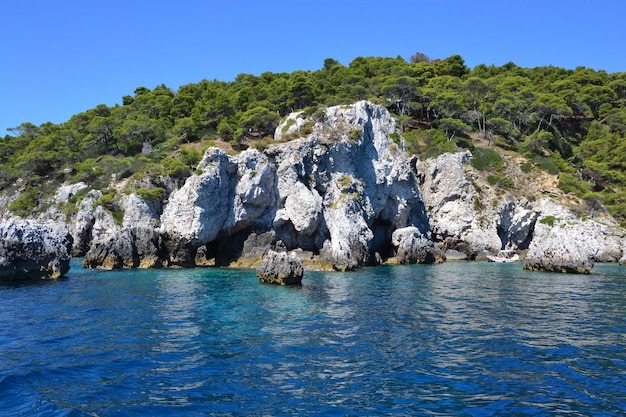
(63,57)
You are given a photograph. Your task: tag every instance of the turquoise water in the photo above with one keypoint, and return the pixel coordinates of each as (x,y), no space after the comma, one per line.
(476,339)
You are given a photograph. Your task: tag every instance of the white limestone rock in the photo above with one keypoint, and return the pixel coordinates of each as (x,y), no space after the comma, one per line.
(196,212)
(350,236)
(561,246)
(292,123)
(456,213)
(607,239)
(280,268)
(412,246)
(253,190)
(140,213)
(303,208)
(67,191)
(92,222)
(29,250)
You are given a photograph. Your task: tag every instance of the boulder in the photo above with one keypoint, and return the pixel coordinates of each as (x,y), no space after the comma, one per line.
(29,250)
(622,260)
(412,247)
(559,246)
(280,268)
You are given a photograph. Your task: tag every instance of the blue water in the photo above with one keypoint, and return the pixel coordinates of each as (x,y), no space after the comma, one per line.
(476,339)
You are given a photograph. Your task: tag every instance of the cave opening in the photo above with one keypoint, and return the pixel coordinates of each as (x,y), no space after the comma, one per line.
(381,243)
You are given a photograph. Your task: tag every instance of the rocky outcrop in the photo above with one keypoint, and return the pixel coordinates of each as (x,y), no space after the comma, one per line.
(91,223)
(140,213)
(339,193)
(607,240)
(280,268)
(213,203)
(562,241)
(134,243)
(31,251)
(128,248)
(461,218)
(560,246)
(412,247)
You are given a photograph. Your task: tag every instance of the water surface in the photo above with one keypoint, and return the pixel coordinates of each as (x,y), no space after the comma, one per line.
(460,338)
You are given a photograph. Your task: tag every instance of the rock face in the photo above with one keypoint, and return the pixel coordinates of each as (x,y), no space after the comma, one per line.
(461,220)
(563,242)
(31,251)
(561,247)
(280,268)
(338,193)
(136,244)
(129,248)
(91,223)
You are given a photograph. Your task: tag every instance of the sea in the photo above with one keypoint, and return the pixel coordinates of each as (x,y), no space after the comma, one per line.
(455,339)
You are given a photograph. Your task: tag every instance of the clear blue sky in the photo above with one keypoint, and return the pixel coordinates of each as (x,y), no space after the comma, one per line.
(63,57)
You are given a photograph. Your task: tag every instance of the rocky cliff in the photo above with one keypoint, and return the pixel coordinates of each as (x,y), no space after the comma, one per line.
(338,194)
(337,188)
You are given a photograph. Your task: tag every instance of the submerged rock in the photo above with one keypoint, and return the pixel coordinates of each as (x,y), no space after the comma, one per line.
(31,251)
(280,268)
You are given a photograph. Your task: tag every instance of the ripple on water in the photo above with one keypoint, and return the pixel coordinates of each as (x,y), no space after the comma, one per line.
(451,339)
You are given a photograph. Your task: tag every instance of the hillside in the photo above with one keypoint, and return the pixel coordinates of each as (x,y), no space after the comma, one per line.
(564,127)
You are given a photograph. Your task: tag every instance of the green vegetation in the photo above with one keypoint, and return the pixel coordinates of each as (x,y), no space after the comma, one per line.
(25,203)
(566,122)
(549,220)
(153,194)
(485,159)
(345,181)
(499,181)
(355,135)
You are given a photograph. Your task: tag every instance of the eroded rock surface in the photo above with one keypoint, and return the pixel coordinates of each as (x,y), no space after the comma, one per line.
(561,247)
(280,268)
(29,250)
(339,192)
